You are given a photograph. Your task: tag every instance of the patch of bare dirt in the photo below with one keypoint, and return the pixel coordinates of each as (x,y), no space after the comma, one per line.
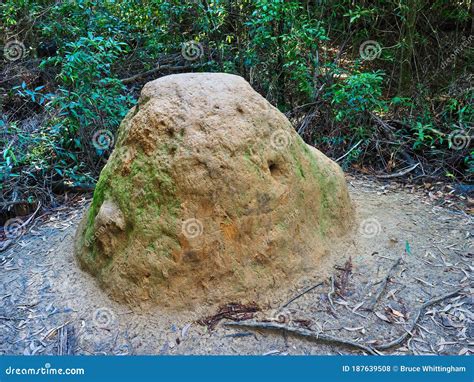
(405,252)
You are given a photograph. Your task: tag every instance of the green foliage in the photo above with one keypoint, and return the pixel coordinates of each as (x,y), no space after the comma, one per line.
(88,94)
(285,40)
(34,95)
(88,98)
(356,98)
(292,52)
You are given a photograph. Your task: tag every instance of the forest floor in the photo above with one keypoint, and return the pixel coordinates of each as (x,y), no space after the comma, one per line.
(408,249)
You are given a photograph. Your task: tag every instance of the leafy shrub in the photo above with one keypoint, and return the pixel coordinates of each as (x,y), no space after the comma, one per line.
(356,98)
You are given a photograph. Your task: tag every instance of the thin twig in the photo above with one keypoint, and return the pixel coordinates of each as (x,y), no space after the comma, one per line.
(346,154)
(308,334)
(333,290)
(382,287)
(424,282)
(301,294)
(32,216)
(5,244)
(400,173)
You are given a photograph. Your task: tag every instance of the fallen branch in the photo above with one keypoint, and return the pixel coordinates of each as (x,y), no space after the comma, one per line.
(376,298)
(301,294)
(400,173)
(346,154)
(404,336)
(391,135)
(7,243)
(332,291)
(324,338)
(308,334)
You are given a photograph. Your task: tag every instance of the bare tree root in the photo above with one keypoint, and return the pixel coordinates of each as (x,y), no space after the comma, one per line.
(308,334)
(328,339)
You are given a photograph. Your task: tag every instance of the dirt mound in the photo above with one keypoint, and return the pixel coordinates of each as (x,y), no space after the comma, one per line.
(209,195)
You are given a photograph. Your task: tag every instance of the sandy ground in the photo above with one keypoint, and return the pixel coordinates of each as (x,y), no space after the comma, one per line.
(49,306)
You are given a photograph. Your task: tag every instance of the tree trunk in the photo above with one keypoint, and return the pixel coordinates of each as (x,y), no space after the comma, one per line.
(408,40)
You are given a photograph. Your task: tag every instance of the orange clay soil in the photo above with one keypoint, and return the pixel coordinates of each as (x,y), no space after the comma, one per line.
(209,196)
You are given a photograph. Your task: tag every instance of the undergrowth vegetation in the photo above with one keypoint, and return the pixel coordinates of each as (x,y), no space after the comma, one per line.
(382,86)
